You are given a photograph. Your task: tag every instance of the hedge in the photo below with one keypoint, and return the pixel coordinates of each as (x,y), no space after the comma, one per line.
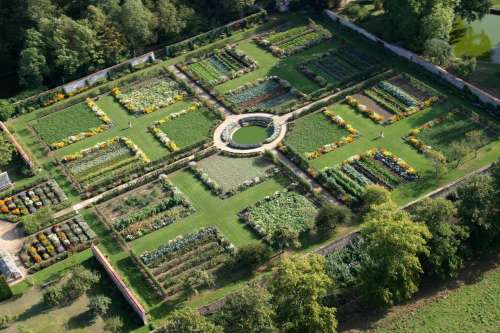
(5,292)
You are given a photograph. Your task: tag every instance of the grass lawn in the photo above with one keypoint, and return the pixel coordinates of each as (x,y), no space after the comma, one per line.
(190,128)
(315,130)
(470,308)
(230,172)
(251,135)
(62,124)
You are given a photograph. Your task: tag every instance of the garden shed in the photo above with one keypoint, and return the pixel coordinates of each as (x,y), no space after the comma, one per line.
(8,267)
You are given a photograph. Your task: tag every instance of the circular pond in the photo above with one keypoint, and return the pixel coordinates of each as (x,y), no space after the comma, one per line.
(252,134)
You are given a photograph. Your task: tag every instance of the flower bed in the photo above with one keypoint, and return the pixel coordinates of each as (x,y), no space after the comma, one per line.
(338,67)
(291,41)
(170,264)
(149,96)
(93,164)
(348,180)
(402,95)
(356,105)
(271,94)
(29,201)
(73,124)
(173,206)
(219,66)
(353,134)
(54,243)
(283,209)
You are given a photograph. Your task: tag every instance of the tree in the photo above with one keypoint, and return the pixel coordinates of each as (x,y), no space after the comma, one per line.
(437,51)
(438,162)
(6,150)
(285,238)
(113,325)
(32,67)
(5,292)
(444,258)
(248,311)
(137,23)
(6,111)
(251,256)
(475,139)
(54,295)
(473,10)
(477,211)
(82,279)
(237,6)
(393,242)
(297,286)
(172,18)
(329,216)
(460,150)
(99,305)
(374,195)
(198,279)
(437,24)
(187,320)
(464,66)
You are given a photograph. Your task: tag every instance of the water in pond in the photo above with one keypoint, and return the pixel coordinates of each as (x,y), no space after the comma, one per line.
(479,38)
(250,135)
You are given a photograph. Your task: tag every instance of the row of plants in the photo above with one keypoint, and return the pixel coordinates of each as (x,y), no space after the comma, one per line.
(225,193)
(162,136)
(107,123)
(348,180)
(30,200)
(363,109)
(171,264)
(295,40)
(54,243)
(270,94)
(338,66)
(90,165)
(413,140)
(338,120)
(283,209)
(172,207)
(149,96)
(218,66)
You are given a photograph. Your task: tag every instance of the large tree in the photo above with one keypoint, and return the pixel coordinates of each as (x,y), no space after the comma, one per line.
(473,10)
(188,320)
(138,24)
(297,287)
(393,242)
(172,18)
(248,310)
(444,258)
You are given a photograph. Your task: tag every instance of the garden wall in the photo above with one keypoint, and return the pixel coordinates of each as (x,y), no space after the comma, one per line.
(117,280)
(18,147)
(455,81)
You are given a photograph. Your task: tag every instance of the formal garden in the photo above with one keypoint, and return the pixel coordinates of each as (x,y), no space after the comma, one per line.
(140,164)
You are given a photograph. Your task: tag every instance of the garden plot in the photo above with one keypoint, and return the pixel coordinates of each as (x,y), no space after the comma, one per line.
(73,124)
(402,95)
(348,180)
(150,95)
(272,95)
(458,126)
(319,133)
(226,176)
(187,128)
(30,200)
(286,209)
(294,40)
(146,209)
(171,264)
(104,162)
(54,244)
(339,67)
(219,66)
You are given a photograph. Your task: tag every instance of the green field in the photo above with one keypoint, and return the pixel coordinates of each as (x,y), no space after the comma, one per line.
(250,135)
(62,124)
(470,308)
(312,132)
(190,128)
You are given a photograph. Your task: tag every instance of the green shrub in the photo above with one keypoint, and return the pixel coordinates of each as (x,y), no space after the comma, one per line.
(5,292)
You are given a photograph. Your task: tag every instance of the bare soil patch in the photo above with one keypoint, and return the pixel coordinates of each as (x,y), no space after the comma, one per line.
(363,99)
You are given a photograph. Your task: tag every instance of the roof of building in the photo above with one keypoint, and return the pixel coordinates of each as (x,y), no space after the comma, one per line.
(8,267)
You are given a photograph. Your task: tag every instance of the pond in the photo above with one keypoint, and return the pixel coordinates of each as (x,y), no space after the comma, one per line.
(251,135)
(479,38)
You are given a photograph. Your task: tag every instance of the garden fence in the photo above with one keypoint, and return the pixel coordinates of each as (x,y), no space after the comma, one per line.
(450,78)
(117,280)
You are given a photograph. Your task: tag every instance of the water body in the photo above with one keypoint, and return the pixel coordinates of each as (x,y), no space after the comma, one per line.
(479,38)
